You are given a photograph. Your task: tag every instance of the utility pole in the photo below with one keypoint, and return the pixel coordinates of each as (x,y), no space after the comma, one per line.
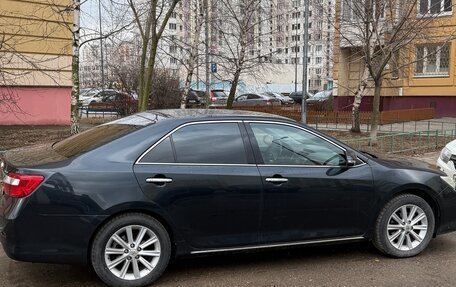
(296,49)
(208,75)
(101,47)
(304,63)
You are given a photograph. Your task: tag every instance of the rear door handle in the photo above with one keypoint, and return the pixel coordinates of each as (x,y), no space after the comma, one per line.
(159,180)
(276,180)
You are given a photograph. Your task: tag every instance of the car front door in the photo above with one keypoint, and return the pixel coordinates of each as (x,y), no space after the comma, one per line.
(205,179)
(309,191)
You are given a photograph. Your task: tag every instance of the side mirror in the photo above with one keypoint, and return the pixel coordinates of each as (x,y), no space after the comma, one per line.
(351,158)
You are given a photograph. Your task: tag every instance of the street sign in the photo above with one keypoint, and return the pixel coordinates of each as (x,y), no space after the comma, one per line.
(214,68)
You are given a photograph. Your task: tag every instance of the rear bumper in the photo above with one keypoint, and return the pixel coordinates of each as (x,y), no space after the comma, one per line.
(49,239)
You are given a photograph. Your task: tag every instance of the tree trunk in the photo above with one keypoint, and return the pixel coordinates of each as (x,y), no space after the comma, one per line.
(237,73)
(375,113)
(148,78)
(356,126)
(142,74)
(233,89)
(74,122)
(193,58)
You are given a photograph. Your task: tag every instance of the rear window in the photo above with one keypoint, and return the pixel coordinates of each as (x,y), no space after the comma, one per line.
(91,139)
(219,94)
(98,136)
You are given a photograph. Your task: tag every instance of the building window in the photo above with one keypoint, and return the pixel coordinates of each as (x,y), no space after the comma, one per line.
(172,26)
(173,49)
(432,60)
(433,7)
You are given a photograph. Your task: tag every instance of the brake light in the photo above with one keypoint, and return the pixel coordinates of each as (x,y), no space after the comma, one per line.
(21,185)
(212,97)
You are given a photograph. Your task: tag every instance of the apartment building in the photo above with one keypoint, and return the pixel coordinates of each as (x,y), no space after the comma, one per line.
(289,40)
(276,43)
(420,75)
(35,62)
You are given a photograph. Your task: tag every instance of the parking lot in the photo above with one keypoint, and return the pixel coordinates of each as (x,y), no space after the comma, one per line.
(336,265)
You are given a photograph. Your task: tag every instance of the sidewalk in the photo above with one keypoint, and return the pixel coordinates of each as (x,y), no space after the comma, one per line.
(430,157)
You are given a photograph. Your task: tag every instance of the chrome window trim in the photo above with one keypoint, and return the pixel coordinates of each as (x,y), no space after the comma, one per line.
(138,161)
(306,130)
(198,164)
(261,246)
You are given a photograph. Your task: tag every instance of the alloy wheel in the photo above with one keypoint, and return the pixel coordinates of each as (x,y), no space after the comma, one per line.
(132,252)
(407,227)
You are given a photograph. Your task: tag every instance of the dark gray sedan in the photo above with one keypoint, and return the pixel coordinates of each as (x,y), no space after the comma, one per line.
(127,196)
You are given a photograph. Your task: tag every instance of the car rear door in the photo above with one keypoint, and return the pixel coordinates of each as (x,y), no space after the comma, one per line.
(309,192)
(204,177)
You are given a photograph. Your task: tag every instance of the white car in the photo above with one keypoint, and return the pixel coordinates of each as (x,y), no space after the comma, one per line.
(447,161)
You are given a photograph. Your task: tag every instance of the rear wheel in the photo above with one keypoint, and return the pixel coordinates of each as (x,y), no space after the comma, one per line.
(131,250)
(404,227)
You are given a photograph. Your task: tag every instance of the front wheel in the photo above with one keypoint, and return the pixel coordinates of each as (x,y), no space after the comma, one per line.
(131,250)
(404,227)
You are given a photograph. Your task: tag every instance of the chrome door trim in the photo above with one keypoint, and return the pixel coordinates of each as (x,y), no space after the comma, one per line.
(261,246)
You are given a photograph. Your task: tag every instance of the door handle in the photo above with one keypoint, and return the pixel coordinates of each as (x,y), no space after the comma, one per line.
(159,180)
(276,180)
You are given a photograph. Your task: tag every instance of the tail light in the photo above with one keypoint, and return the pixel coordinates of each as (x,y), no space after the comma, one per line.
(212,97)
(21,185)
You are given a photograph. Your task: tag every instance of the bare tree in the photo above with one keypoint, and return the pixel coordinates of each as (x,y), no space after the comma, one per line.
(151,18)
(193,49)
(90,35)
(383,35)
(239,27)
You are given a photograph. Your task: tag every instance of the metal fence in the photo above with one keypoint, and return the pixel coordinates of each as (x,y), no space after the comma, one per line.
(400,127)
(422,141)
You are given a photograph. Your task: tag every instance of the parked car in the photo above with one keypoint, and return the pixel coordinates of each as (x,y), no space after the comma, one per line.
(256,99)
(297,96)
(219,98)
(284,100)
(447,162)
(96,97)
(320,97)
(121,103)
(195,99)
(127,196)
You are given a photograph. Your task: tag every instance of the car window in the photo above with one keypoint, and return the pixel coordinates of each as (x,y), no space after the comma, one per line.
(252,97)
(214,143)
(241,98)
(286,145)
(93,138)
(162,153)
(219,94)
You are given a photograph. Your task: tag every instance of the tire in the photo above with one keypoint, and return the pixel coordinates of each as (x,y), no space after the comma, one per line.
(389,231)
(120,227)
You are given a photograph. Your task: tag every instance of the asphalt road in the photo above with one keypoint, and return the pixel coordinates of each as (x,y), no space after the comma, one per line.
(336,265)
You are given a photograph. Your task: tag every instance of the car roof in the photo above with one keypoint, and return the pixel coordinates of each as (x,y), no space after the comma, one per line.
(212,113)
